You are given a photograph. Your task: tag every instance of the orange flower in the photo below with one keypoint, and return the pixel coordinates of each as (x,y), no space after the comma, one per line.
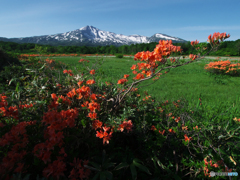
(139,76)
(153,128)
(125,76)
(161,132)
(134,72)
(177,120)
(90,81)
(171,131)
(121,127)
(65,71)
(196,127)
(92,115)
(122,81)
(101,134)
(194,42)
(128,125)
(79,83)
(93,106)
(81,60)
(184,127)
(106,128)
(133,67)
(187,138)
(192,56)
(92,71)
(97,124)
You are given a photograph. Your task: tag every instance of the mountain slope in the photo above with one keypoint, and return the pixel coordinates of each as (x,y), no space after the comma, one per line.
(91,36)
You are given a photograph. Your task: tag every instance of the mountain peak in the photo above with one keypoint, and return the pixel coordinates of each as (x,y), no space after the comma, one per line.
(92,36)
(87,28)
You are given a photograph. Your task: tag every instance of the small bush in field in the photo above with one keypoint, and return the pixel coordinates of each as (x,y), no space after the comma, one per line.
(7,60)
(119,56)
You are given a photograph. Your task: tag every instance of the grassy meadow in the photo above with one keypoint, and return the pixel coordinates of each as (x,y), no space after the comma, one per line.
(190,81)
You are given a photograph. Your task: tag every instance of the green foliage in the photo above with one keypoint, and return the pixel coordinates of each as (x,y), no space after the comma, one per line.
(7,60)
(226,48)
(141,153)
(119,55)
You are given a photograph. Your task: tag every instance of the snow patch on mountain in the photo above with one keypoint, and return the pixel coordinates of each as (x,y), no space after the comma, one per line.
(93,36)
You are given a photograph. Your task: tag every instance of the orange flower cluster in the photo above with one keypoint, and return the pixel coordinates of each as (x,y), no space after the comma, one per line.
(146,98)
(215,165)
(237,120)
(171,131)
(186,138)
(92,71)
(196,128)
(90,81)
(122,81)
(82,60)
(214,39)
(49,61)
(223,66)
(164,48)
(57,121)
(11,111)
(68,72)
(192,56)
(127,125)
(176,104)
(108,84)
(177,119)
(184,127)
(105,135)
(193,43)
(162,51)
(134,89)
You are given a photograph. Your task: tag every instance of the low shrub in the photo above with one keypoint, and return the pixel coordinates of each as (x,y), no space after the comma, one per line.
(119,55)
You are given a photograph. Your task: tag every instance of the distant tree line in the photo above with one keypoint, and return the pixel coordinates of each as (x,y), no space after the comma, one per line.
(231,48)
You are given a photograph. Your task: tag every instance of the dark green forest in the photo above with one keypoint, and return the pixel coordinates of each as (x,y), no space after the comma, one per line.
(227,48)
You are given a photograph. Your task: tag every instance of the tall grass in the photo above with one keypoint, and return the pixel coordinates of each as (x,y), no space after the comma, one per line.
(191,81)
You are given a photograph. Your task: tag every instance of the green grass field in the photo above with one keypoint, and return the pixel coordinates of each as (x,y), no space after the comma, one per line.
(189,81)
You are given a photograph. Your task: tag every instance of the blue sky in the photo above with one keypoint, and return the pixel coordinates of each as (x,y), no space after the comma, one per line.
(186,19)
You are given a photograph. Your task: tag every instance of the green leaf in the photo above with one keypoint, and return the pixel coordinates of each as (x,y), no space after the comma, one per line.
(141,167)
(108,175)
(176,177)
(17,88)
(36,161)
(96,176)
(40,102)
(94,169)
(102,176)
(121,165)
(13,79)
(107,165)
(103,156)
(133,171)
(42,66)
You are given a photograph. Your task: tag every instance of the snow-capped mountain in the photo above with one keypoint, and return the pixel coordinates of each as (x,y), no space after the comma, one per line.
(91,36)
